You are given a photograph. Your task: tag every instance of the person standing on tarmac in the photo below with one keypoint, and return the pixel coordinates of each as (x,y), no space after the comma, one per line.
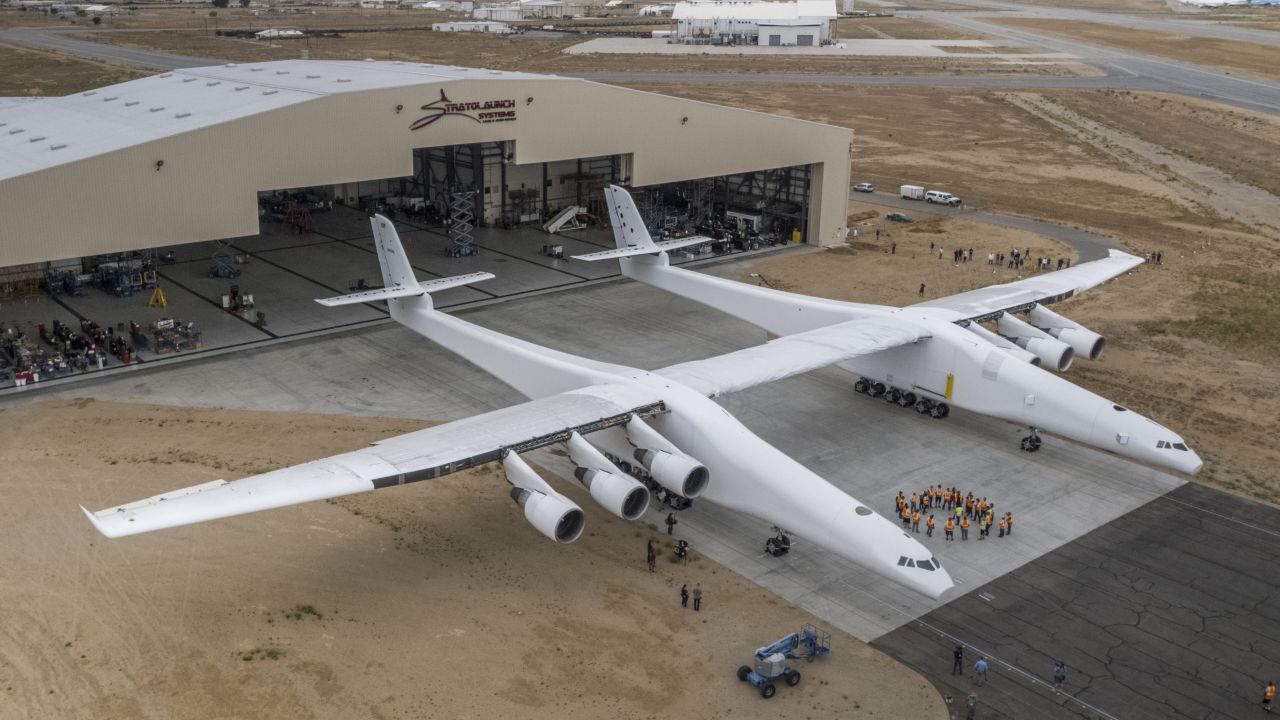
(950,529)
(671,523)
(1268,695)
(915,521)
(964,528)
(929,530)
(957,666)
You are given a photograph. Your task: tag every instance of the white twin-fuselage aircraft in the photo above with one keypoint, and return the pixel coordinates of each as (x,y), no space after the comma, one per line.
(628,431)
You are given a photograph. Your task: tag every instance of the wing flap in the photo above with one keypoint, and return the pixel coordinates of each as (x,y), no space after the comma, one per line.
(655,248)
(422,455)
(793,355)
(1048,288)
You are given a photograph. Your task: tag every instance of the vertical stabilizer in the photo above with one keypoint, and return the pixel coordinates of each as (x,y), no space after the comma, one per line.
(397,273)
(628,227)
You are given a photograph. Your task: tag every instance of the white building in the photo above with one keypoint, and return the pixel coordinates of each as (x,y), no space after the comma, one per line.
(480,27)
(276,34)
(756,22)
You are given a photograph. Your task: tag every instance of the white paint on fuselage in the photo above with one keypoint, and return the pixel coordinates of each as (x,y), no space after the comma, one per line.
(746,473)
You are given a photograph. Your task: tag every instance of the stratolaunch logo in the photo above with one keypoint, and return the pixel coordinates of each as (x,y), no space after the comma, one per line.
(486,111)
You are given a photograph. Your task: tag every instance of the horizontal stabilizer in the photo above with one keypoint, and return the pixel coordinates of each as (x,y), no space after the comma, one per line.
(414,290)
(366,296)
(654,249)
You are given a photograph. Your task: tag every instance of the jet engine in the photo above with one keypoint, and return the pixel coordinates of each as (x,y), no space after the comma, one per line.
(551,513)
(1085,341)
(1003,344)
(614,490)
(671,468)
(1054,352)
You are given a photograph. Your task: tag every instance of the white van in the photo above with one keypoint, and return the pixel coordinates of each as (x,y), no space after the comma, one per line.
(942,198)
(911,192)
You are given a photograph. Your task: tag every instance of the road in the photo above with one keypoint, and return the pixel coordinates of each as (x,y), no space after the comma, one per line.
(1090,246)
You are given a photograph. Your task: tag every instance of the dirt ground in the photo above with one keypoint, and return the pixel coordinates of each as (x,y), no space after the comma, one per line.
(900,28)
(429,601)
(1191,343)
(544,54)
(1243,57)
(36,72)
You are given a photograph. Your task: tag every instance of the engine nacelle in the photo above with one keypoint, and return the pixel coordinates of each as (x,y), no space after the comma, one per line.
(1003,344)
(620,495)
(1085,341)
(670,467)
(1052,351)
(552,515)
(614,490)
(680,474)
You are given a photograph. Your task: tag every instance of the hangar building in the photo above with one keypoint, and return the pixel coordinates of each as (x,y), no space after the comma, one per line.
(189,155)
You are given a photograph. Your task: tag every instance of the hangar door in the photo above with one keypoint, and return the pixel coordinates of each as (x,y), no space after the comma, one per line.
(804,40)
(775,39)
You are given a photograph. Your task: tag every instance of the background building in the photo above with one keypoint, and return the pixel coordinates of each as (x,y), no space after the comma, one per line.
(752,22)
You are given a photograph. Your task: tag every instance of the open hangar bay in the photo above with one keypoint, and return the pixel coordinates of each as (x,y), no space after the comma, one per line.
(1096,574)
(245,188)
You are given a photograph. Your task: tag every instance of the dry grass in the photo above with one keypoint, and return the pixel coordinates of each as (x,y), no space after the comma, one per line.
(40,73)
(543,54)
(900,28)
(1243,57)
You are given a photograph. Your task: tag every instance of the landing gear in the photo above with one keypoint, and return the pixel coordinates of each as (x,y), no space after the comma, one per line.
(778,545)
(1031,443)
(902,398)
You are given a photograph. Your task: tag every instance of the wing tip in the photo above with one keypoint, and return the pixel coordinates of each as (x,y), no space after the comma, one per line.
(98,524)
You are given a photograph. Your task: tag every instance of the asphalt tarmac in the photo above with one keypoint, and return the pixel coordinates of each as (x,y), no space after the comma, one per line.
(1169,611)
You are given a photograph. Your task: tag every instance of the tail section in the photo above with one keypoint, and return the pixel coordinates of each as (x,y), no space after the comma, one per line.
(630,234)
(398,277)
(628,228)
(397,273)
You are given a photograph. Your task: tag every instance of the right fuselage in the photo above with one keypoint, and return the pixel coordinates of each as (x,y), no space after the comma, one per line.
(952,365)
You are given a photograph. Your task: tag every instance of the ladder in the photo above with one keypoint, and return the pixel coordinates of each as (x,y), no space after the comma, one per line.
(158,299)
(461,221)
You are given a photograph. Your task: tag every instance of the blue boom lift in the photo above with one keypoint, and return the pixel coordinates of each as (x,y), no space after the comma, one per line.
(771,660)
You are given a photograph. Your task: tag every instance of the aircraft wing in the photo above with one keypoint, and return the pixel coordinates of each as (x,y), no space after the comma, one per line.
(980,304)
(793,354)
(422,455)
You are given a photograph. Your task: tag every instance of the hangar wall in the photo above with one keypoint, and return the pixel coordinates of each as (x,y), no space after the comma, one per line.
(208,183)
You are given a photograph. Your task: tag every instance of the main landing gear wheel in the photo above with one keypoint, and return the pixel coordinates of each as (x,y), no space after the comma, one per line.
(907,399)
(1031,443)
(877,389)
(862,386)
(924,406)
(939,411)
(892,395)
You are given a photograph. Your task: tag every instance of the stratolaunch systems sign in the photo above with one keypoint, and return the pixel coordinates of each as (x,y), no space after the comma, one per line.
(483,111)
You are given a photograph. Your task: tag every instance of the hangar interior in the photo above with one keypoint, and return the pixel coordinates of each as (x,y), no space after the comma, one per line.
(164,256)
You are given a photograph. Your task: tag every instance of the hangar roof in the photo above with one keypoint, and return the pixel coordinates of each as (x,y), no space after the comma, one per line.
(54,131)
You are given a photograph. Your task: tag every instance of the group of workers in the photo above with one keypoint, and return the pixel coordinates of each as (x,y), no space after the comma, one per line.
(960,510)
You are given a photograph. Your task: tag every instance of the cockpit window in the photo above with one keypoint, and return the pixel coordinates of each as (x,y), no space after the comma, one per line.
(1179,446)
(925,564)
(1120,409)
(905,561)
(1163,445)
